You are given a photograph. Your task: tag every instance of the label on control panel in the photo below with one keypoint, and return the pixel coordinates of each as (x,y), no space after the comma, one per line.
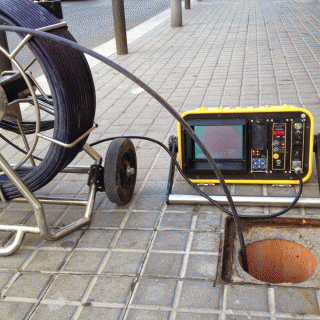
(279,146)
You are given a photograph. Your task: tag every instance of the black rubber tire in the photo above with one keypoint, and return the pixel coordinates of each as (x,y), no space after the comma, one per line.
(118,185)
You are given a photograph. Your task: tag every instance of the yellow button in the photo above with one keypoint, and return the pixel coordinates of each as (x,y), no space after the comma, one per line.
(275,156)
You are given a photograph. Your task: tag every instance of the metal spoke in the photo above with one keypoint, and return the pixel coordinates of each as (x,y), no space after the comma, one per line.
(33,100)
(46,107)
(30,64)
(25,141)
(39,87)
(20,46)
(15,102)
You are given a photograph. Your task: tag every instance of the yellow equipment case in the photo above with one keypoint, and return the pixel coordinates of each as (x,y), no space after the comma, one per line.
(250,145)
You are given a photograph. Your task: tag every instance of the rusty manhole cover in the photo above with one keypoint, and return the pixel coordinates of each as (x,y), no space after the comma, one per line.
(280,251)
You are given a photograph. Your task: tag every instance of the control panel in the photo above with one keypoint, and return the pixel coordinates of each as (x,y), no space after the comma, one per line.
(252,145)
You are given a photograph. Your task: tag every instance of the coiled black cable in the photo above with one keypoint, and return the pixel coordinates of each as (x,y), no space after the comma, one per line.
(28,127)
(71,85)
(17,147)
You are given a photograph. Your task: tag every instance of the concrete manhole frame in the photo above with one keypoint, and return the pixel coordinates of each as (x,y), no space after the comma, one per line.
(302,231)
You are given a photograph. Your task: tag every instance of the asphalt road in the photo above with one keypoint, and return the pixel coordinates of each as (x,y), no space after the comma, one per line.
(91,21)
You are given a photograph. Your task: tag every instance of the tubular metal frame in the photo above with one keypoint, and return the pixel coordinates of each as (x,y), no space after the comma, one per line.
(37,205)
(28,196)
(244,201)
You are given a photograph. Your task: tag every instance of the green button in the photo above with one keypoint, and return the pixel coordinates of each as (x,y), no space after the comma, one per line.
(297,125)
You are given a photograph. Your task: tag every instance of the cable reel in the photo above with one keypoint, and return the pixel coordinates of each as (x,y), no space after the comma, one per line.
(70,108)
(66,115)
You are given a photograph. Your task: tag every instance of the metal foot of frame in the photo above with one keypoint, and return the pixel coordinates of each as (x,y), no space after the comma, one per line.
(37,205)
(244,201)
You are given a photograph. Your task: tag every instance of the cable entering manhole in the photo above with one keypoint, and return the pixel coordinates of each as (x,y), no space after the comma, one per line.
(280,261)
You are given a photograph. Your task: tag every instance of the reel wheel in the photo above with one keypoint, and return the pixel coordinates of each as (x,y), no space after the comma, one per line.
(120,171)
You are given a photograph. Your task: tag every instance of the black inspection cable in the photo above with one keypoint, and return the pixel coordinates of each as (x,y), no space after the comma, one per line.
(17,147)
(29,127)
(73,94)
(193,185)
(171,110)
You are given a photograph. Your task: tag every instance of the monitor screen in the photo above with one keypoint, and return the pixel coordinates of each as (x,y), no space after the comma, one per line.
(222,142)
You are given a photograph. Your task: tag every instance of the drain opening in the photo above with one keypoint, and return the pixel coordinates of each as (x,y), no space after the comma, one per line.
(280,261)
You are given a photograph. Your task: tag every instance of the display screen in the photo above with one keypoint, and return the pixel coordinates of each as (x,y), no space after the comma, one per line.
(279,132)
(222,142)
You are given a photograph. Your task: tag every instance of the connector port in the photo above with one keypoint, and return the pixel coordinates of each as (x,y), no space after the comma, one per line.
(296,164)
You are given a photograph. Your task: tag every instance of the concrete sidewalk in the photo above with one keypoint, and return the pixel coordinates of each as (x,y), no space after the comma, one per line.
(149,260)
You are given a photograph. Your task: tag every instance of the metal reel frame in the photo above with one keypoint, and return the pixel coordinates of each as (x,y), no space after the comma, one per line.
(9,169)
(37,205)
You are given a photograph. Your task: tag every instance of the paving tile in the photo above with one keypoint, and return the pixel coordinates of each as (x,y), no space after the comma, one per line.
(237,317)
(296,301)
(205,241)
(68,187)
(68,287)
(111,289)
(247,190)
(247,298)
(163,264)
(67,242)
(107,219)
(170,240)
(196,316)
(94,313)
(176,221)
(281,192)
(97,239)
(138,314)
(126,263)
(208,221)
(4,278)
(51,217)
(150,202)
(202,266)
(14,217)
(47,260)
(84,261)
(142,220)
(153,291)
(134,239)
(53,312)
(14,261)
(28,285)
(199,294)
(154,188)
(14,310)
